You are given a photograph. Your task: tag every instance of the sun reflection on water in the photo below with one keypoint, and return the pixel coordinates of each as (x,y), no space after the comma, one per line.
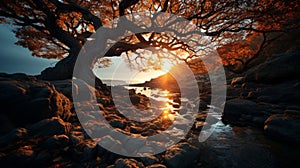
(166,106)
(168,111)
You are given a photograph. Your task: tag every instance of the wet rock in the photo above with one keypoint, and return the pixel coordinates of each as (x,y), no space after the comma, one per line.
(5,124)
(249,85)
(42,159)
(76,136)
(25,100)
(258,120)
(135,143)
(149,132)
(13,137)
(50,127)
(146,149)
(83,91)
(127,163)
(56,141)
(149,160)
(181,155)
(237,81)
(232,92)
(156,166)
(283,127)
(295,113)
(154,126)
(90,150)
(280,93)
(201,117)
(294,107)
(11,92)
(108,142)
(64,87)
(176,106)
(86,151)
(263,100)
(240,112)
(136,129)
(118,123)
(244,94)
(202,105)
(282,67)
(21,157)
(252,95)
(135,99)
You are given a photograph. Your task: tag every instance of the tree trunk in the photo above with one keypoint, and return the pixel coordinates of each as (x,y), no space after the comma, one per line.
(63,69)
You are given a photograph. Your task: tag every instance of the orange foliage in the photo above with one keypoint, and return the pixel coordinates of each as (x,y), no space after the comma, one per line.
(239,51)
(235,25)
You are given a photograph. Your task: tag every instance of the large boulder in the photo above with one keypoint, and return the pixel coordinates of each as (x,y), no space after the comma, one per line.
(237,81)
(64,87)
(285,127)
(282,93)
(156,166)
(181,155)
(244,112)
(50,127)
(56,141)
(281,67)
(13,136)
(127,163)
(25,100)
(149,160)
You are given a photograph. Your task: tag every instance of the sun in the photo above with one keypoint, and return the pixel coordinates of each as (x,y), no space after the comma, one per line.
(165,66)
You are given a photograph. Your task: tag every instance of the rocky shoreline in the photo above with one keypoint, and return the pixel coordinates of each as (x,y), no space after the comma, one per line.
(49,134)
(39,127)
(267,97)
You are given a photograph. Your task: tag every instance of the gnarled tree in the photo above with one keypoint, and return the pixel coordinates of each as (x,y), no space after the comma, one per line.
(59,28)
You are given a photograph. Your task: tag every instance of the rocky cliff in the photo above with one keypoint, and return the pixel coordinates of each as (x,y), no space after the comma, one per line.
(268,97)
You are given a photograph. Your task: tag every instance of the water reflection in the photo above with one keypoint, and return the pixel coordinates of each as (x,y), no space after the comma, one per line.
(160,100)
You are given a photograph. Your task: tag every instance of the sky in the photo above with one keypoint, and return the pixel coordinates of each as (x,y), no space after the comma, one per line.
(119,70)
(16,59)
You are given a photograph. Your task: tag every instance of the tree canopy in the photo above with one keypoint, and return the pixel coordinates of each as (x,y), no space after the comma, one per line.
(59,28)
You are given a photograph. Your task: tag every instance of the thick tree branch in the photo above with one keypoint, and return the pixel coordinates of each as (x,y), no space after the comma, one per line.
(55,30)
(124,4)
(165,6)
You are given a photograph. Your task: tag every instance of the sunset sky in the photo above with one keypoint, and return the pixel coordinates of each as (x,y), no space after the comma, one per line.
(119,70)
(16,59)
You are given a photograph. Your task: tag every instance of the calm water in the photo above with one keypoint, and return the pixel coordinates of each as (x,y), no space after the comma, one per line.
(232,146)
(157,94)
